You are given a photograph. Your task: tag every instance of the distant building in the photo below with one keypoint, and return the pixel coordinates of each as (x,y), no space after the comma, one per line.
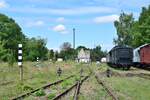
(103,60)
(84,56)
(59,59)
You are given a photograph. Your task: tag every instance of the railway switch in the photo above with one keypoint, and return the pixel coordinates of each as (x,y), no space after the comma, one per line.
(59,71)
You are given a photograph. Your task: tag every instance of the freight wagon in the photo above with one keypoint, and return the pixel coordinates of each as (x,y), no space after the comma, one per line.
(142,56)
(120,57)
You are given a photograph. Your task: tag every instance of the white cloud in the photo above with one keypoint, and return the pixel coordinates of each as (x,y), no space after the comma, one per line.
(66,11)
(60,19)
(60,28)
(106,19)
(35,23)
(3,4)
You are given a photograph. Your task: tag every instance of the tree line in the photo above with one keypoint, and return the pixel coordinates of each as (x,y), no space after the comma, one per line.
(11,35)
(133,32)
(68,53)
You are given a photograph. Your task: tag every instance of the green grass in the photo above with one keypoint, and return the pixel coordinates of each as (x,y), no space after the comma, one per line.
(91,90)
(40,93)
(133,88)
(40,76)
(51,96)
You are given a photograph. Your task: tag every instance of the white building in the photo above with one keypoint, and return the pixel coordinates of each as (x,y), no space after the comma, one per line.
(59,59)
(103,60)
(84,56)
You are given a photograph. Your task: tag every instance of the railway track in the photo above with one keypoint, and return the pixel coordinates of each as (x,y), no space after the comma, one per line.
(102,83)
(143,68)
(77,86)
(108,90)
(43,87)
(140,74)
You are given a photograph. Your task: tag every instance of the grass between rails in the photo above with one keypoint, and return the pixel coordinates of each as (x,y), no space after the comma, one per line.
(63,86)
(54,90)
(91,90)
(41,75)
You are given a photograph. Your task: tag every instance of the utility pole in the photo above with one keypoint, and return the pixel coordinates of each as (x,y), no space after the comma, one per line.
(74,38)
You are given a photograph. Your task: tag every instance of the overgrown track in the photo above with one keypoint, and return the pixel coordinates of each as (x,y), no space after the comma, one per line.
(77,85)
(144,68)
(106,88)
(131,74)
(141,75)
(77,91)
(43,87)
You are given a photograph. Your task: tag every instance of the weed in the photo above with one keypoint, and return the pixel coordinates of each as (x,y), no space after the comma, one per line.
(27,87)
(40,93)
(51,96)
(66,83)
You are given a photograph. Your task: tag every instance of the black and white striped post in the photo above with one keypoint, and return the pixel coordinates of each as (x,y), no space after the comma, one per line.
(20,61)
(37,60)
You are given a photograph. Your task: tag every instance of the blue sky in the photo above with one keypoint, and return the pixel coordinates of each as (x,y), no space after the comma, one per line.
(55,19)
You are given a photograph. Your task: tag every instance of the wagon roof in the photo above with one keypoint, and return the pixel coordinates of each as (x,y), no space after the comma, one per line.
(138,48)
(116,47)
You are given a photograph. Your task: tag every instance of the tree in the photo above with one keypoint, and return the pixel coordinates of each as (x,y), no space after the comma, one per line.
(55,56)
(35,47)
(143,27)
(10,36)
(97,53)
(123,27)
(51,54)
(3,52)
(67,54)
(65,46)
(81,47)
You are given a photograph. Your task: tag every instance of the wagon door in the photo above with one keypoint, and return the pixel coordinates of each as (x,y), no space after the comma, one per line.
(145,55)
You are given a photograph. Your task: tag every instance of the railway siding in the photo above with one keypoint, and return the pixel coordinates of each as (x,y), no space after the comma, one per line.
(108,89)
(43,87)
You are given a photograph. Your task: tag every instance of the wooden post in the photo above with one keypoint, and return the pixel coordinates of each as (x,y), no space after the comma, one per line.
(21,73)
(20,61)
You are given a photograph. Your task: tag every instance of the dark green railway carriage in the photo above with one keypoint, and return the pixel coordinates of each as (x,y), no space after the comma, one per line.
(120,56)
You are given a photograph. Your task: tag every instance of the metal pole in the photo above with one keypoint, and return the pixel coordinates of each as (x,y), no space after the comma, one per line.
(74,38)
